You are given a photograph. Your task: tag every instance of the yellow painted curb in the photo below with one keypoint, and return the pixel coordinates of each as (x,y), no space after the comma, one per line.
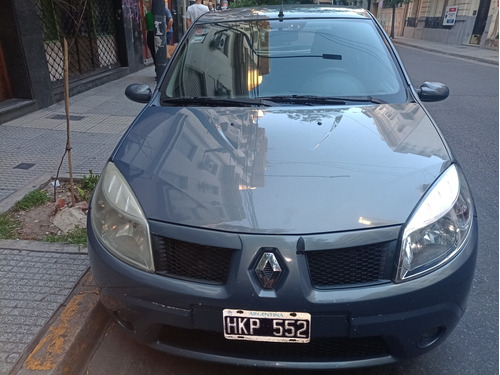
(52,345)
(75,330)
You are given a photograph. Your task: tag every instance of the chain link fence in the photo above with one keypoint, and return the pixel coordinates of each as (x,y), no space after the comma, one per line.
(89,28)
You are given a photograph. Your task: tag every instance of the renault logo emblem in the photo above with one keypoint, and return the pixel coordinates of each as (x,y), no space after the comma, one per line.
(268,270)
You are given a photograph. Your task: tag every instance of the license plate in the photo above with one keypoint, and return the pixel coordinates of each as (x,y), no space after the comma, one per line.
(272,326)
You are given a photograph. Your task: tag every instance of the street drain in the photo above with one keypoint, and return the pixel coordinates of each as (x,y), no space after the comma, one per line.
(24,166)
(63,117)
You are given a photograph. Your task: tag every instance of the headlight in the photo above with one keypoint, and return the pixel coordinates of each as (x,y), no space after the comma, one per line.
(118,220)
(438,228)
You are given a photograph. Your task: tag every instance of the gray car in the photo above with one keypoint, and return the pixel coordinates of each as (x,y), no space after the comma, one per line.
(284,199)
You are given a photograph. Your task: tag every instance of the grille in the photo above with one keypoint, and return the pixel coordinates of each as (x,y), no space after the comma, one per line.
(186,260)
(319,349)
(89,28)
(349,266)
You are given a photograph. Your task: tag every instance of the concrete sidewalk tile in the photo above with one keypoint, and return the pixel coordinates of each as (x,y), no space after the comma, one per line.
(66,342)
(37,246)
(19,132)
(119,108)
(22,189)
(4,193)
(44,122)
(28,117)
(85,103)
(36,277)
(34,285)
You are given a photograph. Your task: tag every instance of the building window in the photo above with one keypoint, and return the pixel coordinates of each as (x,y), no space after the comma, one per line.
(411,22)
(433,22)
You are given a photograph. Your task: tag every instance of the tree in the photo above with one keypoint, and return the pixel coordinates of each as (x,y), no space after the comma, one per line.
(76,14)
(393,4)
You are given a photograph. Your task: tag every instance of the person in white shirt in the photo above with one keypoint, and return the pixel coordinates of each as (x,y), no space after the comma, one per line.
(194,11)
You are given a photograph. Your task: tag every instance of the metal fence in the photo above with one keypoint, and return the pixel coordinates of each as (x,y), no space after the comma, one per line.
(411,22)
(89,28)
(433,22)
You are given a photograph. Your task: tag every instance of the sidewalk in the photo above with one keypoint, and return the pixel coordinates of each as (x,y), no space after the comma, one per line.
(37,278)
(470,52)
(49,315)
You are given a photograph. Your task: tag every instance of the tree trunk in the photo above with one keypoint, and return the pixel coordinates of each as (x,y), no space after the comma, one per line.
(393,20)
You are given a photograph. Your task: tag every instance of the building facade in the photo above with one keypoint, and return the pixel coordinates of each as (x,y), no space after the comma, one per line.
(469,22)
(104,39)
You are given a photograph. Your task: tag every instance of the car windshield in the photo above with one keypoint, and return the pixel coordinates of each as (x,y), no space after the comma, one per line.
(299,61)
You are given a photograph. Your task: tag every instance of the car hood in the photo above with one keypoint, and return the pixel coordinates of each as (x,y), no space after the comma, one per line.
(287,170)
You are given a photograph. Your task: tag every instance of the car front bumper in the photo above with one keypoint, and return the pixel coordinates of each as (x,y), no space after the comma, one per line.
(350,327)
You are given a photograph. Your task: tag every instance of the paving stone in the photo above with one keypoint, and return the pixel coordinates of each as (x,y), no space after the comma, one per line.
(19,329)
(10,347)
(33,284)
(12,358)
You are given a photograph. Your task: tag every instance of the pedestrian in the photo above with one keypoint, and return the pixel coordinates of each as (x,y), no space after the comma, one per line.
(150,27)
(169,22)
(194,11)
(211,6)
(224,5)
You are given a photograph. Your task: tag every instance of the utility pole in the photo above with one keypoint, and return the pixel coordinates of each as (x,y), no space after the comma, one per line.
(160,37)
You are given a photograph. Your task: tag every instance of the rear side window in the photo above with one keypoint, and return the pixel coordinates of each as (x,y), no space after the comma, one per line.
(322,57)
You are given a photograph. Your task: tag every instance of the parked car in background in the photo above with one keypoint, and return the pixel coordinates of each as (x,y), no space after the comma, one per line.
(284,199)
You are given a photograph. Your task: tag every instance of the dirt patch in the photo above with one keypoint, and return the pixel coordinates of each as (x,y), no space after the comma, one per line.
(55,217)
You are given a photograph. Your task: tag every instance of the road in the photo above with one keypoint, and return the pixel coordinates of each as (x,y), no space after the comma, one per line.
(469,121)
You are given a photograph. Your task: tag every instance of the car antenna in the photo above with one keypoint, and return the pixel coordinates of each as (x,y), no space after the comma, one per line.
(280,14)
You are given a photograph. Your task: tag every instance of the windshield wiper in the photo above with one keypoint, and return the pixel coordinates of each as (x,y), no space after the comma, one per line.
(365,99)
(304,99)
(215,102)
(313,100)
(269,101)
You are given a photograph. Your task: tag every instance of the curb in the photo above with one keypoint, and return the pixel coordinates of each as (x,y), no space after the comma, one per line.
(9,202)
(65,343)
(45,178)
(50,247)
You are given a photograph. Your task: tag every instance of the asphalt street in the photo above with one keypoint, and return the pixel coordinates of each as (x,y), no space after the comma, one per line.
(469,120)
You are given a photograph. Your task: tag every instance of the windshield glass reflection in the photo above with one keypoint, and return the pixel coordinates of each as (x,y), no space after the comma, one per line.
(266,59)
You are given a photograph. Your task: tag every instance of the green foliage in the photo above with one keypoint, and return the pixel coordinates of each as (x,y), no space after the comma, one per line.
(32,199)
(88,185)
(82,193)
(76,236)
(8,227)
(395,3)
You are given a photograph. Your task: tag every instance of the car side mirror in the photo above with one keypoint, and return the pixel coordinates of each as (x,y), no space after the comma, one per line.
(138,93)
(433,92)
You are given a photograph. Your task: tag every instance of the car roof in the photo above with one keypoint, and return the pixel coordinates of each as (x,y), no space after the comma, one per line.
(289,12)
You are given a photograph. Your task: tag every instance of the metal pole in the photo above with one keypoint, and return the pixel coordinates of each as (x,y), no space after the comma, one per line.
(160,37)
